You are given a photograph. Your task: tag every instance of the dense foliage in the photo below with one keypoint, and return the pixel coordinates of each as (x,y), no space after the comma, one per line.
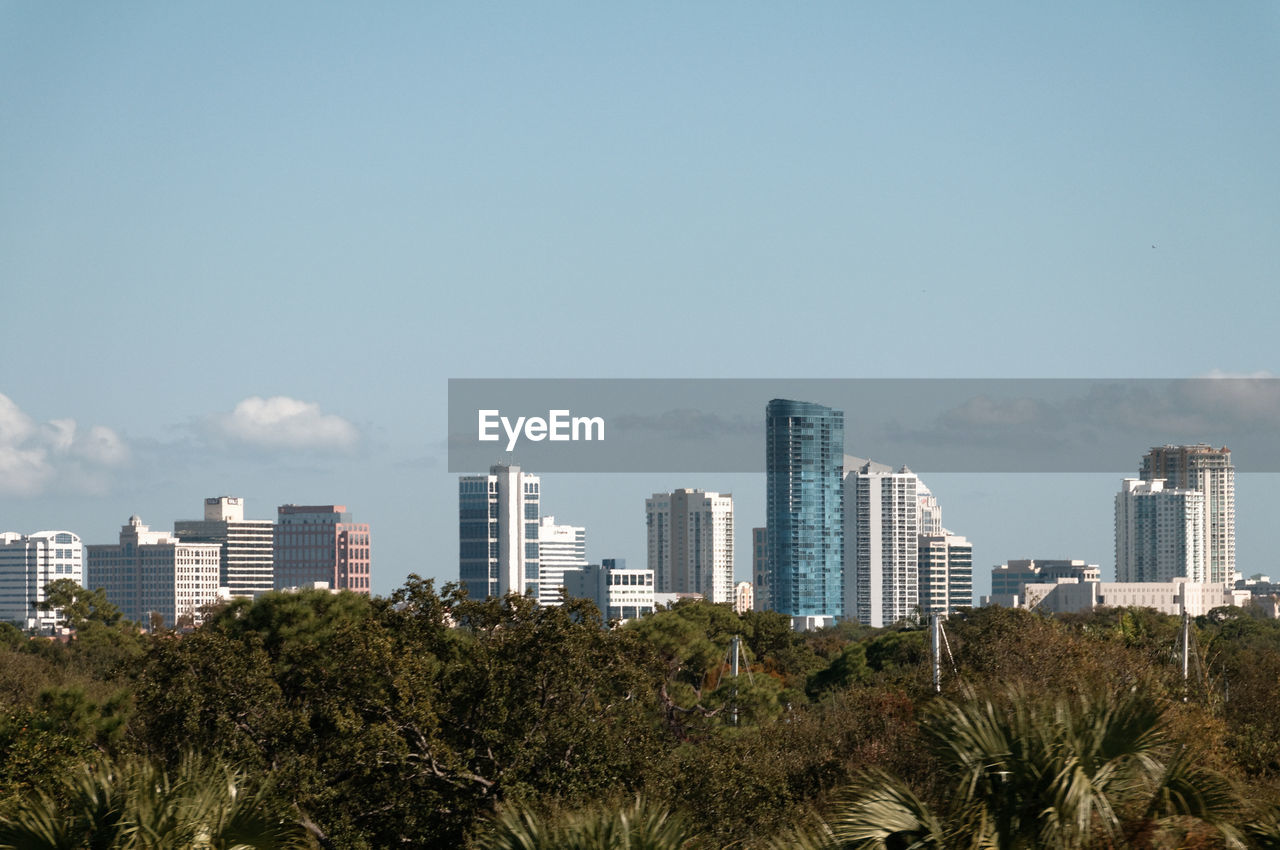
(427,719)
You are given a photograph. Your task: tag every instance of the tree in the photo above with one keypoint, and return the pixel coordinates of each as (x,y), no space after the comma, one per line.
(1062,774)
(105,644)
(133,805)
(57,731)
(637,826)
(848,668)
(79,606)
(11,637)
(210,687)
(692,641)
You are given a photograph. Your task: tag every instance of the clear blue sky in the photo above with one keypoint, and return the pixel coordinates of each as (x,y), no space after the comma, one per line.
(343,206)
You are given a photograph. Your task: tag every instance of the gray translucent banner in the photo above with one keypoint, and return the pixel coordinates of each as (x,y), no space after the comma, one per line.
(930,425)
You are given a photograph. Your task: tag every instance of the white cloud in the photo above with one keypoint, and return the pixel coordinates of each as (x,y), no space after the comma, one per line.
(23,472)
(983,411)
(1260,375)
(283,422)
(1243,399)
(34,458)
(60,434)
(15,426)
(101,446)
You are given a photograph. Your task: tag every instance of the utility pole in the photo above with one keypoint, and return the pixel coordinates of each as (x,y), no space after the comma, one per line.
(733,669)
(937,652)
(1186,649)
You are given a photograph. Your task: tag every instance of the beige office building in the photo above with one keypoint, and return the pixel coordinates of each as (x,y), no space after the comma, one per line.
(152,574)
(690,543)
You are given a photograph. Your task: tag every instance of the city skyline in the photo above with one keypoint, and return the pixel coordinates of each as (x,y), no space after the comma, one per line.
(743,571)
(244,249)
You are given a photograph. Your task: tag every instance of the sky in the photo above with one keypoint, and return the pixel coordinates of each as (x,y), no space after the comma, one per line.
(243,247)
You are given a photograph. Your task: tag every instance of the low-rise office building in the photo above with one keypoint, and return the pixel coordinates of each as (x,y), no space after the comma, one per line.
(155,578)
(620,593)
(1168,597)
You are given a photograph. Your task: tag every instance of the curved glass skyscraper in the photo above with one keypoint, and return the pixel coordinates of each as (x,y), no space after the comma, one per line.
(804,459)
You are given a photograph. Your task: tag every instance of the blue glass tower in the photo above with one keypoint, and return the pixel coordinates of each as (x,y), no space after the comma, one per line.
(804,460)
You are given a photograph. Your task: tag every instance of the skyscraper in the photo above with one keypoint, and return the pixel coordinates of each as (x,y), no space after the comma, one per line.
(804,448)
(561,548)
(1159,532)
(28,562)
(690,534)
(761,592)
(882,522)
(321,543)
(154,574)
(899,559)
(498,518)
(930,514)
(1209,470)
(247,544)
(946,573)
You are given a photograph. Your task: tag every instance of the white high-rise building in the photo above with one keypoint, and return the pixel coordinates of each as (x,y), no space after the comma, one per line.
(152,573)
(691,543)
(881,552)
(28,562)
(930,514)
(498,518)
(946,573)
(899,561)
(1209,470)
(1160,533)
(248,560)
(561,548)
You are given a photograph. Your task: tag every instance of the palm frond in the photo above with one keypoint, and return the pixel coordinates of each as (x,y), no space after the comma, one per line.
(885,813)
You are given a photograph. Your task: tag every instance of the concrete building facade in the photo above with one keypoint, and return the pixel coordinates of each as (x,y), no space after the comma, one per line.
(881,558)
(620,593)
(1010,579)
(28,563)
(154,575)
(1160,533)
(1167,597)
(929,513)
(498,519)
(690,542)
(561,548)
(1209,470)
(321,543)
(945,565)
(248,545)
